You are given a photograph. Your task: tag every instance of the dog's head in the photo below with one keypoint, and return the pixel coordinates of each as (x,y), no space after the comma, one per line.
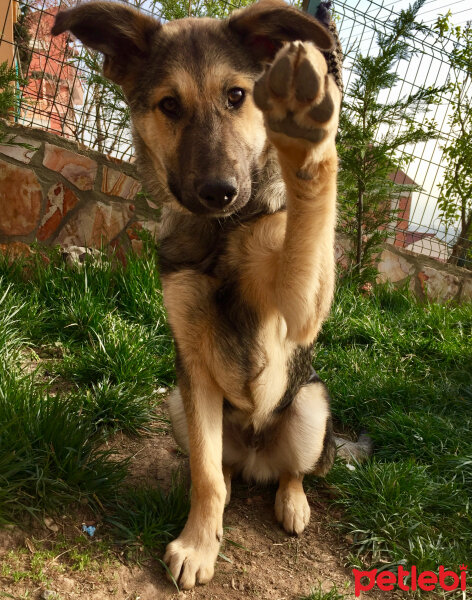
(189,85)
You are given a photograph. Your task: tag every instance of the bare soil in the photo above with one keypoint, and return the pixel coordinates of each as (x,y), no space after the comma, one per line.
(273,565)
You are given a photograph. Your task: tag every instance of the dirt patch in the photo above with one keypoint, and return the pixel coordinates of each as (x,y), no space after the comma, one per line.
(259,560)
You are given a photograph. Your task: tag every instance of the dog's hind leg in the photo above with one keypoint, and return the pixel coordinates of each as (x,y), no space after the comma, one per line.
(305,445)
(178,419)
(227,474)
(299,442)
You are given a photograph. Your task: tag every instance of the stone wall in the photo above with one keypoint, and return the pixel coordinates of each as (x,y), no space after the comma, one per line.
(54,192)
(426,277)
(57,193)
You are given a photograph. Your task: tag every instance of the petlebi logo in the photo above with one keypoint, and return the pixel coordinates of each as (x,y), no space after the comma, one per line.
(411,580)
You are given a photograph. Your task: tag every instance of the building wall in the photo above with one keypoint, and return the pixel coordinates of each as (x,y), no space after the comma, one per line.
(54,82)
(403,218)
(56,193)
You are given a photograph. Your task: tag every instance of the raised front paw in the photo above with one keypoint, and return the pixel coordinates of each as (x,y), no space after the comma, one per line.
(297,95)
(191,562)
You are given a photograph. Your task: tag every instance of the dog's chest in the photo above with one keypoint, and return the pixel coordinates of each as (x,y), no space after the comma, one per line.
(245,350)
(222,314)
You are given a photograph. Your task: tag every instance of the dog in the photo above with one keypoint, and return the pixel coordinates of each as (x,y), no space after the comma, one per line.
(234,125)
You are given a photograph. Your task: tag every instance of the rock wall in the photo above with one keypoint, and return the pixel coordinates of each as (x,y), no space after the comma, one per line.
(54,192)
(427,278)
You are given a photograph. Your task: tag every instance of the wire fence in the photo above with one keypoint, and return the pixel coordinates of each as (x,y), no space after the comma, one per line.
(63,94)
(417,225)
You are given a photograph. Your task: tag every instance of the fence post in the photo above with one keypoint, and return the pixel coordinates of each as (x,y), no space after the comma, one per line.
(8,17)
(311,6)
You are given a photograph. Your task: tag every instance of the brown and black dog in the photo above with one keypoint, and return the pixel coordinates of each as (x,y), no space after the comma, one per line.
(234,125)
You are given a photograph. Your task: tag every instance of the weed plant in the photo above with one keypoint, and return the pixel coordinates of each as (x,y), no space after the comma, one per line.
(117,407)
(146,519)
(119,350)
(107,323)
(49,456)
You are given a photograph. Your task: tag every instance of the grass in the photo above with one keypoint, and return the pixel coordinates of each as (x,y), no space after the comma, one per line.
(146,519)
(403,371)
(398,368)
(121,351)
(113,407)
(109,364)
(48,452)
(318,594)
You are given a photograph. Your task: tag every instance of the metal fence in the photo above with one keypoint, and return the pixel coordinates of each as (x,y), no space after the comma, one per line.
(63,95)
(418,227)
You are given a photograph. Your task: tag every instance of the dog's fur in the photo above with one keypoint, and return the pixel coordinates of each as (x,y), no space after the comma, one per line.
(245,166)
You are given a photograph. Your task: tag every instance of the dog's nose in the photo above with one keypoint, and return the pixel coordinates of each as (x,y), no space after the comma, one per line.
(217,193)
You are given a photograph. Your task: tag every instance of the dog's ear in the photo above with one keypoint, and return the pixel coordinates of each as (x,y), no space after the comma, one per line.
(264,26)
(122,34)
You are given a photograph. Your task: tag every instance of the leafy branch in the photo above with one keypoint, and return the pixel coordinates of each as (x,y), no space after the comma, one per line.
(373,135)
(455,195)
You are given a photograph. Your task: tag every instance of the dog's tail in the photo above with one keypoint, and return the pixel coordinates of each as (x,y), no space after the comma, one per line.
(355,451)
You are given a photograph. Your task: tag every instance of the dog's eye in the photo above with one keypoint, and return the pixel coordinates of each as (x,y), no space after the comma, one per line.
(235,97)
(170,107)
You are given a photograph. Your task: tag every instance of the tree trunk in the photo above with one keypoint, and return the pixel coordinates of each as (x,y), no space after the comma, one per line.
(461,247)
(360,216)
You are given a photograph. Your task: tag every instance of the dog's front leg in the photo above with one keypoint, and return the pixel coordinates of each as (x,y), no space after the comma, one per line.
(300,102)
(191,557)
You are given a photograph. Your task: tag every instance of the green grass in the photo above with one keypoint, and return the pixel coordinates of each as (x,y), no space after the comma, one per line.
(318,594)
(403,371)
(49,454)
(104,325)
(146,519)
(11,340)
(117,407)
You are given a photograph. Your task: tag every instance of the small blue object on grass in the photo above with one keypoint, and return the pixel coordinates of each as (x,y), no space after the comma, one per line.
(90,529)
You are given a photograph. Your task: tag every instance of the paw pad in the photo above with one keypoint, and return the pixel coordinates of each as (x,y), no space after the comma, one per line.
(306,82)
(324,111)
(298,97)
(279,77)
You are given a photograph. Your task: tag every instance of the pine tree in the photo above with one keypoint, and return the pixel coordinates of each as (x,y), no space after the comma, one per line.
(370,141)
(455,199)
(8,99)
